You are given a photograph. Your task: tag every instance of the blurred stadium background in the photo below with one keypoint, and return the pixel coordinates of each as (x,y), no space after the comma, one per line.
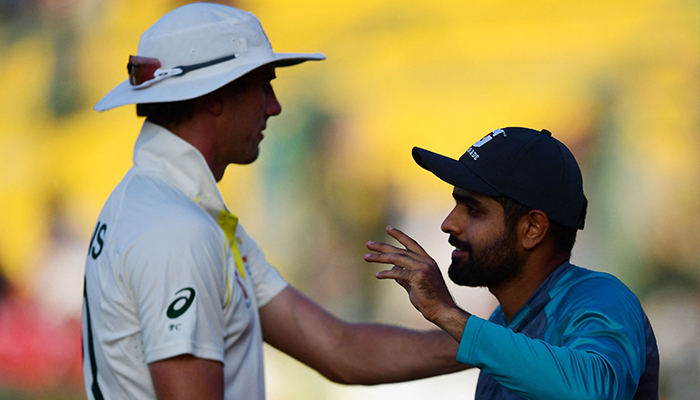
(617,81)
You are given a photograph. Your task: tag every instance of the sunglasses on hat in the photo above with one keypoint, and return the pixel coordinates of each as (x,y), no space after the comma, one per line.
(144,71)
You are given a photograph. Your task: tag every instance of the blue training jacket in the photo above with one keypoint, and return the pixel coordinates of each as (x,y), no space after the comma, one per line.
(581,335)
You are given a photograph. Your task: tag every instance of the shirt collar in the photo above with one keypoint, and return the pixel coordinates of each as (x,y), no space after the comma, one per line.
(538,299)
(161,152)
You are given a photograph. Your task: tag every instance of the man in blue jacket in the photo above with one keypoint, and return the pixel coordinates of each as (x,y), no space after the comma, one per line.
(560,331)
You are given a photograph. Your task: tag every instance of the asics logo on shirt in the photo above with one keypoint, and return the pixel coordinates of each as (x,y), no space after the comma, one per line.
(173,310)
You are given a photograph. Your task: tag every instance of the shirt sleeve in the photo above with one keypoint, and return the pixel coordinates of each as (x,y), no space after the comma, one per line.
(267,281)
(601,355)
(177,276)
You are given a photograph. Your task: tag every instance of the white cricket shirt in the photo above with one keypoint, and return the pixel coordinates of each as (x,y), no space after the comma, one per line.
(161,278)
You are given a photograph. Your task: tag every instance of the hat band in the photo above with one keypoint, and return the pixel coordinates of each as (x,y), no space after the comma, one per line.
(145,71)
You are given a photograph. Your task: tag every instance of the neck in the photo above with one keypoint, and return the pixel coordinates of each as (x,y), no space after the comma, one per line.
(197,133)
(514,293)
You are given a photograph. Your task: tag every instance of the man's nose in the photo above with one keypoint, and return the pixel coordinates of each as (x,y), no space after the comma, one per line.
(273,106)
(450,225)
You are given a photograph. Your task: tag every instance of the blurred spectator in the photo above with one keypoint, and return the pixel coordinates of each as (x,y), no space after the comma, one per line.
(37,355)
(57,285)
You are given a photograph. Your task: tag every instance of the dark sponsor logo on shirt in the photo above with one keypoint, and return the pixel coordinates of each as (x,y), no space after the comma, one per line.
(97,242)
(181,304)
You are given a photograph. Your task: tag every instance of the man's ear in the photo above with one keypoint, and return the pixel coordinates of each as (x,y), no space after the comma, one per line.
(533,228)
(214,102)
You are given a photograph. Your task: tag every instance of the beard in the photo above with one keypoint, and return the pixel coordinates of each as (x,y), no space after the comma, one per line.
(496,263)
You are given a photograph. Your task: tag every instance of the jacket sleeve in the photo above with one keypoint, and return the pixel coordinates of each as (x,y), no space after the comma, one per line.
(599,353)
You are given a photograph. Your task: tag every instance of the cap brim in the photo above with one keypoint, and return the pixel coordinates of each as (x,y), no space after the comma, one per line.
(196,83)
(452,171)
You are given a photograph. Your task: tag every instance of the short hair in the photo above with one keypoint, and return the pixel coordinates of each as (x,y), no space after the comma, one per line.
(170,113)
(173,113)
(564,238)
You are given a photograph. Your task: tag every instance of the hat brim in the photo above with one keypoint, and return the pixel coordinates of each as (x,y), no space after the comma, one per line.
(452,171)
(196,83)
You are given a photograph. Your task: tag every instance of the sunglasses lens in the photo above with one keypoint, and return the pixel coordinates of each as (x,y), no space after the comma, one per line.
(141,69)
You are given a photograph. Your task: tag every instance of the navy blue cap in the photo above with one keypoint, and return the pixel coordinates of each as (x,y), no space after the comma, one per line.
(529,166)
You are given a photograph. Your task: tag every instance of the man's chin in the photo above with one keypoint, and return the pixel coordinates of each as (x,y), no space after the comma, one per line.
(247,158)
(459,274)
(468,274)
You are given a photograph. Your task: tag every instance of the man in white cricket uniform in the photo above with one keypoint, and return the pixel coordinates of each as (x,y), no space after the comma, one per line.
(178,298)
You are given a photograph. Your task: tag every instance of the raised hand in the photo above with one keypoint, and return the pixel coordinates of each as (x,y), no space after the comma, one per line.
(419,274)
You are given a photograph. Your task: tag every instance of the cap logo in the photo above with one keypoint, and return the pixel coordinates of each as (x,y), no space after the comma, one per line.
(472,152)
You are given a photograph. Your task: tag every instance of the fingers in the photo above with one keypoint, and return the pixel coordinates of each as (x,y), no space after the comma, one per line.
(411,246)
(412,257)
(407,241)
(396,272)
(399,258)
(383,247)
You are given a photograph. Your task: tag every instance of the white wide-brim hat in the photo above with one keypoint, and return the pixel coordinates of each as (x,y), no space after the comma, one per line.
(199,33)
